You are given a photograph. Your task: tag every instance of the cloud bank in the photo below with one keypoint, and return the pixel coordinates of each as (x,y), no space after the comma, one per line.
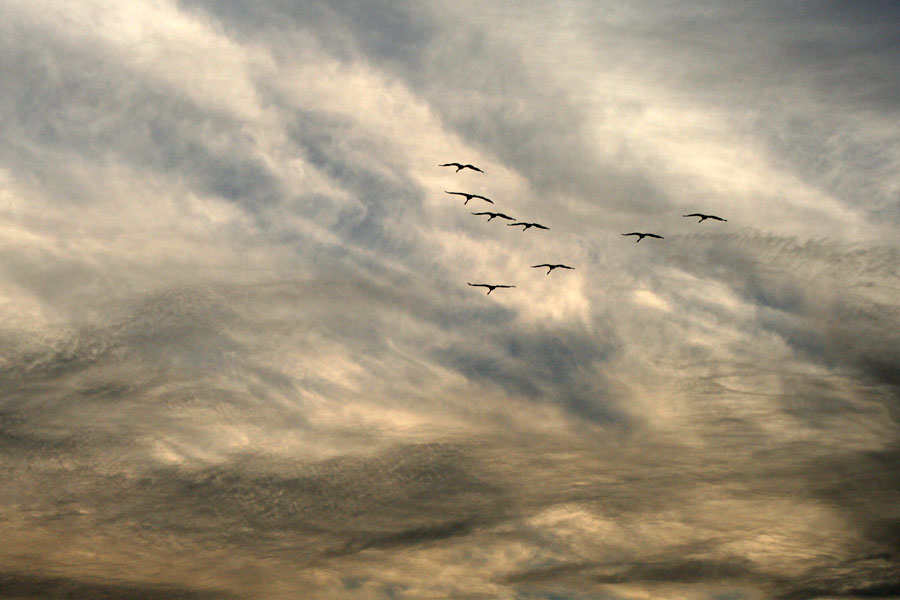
(238,355)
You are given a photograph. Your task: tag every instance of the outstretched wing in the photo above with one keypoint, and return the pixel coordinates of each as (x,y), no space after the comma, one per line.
(653,235)
(544,265)
(539,226)
(457,193)
(716,218)
(502,216)
(478,284)
(694,215)
(504,286)
(483,198)
(473,167)
(490,214)
(633,233)
(514,224)
(451,165)
(564,267)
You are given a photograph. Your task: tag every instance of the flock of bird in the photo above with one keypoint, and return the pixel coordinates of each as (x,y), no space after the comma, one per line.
(527,225)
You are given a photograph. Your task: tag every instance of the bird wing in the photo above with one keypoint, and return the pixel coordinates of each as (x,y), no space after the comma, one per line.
(474,168)
(544,265)
(514,224)
(654,235)
(504,286)
(633,233)
(717,218)
(565,267)
(455,193)
(507,217)
(694,215)
(539,226)
(478,284)
(484,213)
(451,165)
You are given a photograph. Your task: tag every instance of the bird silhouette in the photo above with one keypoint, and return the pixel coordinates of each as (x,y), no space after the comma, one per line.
(470,196)
(460,166)
(551,267)
(493,215)
(704,217)
(490,287)
(527,225)
(643,235)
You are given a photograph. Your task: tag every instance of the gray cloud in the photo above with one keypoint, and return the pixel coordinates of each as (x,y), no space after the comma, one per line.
(27,585)
(241,360)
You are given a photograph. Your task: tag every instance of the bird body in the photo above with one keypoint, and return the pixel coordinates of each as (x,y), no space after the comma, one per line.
(528,225)
(551,267)
(704,217)
(470,196)
(493,215)
(460,166)
(490,287)
(643,235)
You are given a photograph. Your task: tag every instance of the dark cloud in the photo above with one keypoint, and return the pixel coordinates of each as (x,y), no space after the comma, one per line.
(409,537)
(29,585)
(649,571)
(564,366)
(695,571)
(380,29)
(889,590)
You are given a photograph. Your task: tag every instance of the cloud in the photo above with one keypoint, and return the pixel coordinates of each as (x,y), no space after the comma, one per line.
(238,356)
(26,585)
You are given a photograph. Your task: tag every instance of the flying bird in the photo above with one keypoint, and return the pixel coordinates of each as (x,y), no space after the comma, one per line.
(527,225)
(490,287)
(493,215)
(470,196)
(704,217)
(551,267)
(460,166)
(643,235)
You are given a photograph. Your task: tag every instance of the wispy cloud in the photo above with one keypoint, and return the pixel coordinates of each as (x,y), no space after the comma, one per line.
(238,355)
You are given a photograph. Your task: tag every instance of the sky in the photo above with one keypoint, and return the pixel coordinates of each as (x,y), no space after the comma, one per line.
(239,357)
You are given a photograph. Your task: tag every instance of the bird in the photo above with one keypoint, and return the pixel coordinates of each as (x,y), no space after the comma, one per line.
(551,267)
(704,217)
(493,215)
(643,235)
(460,166)
(490,287)
(470,196)
(527,225)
